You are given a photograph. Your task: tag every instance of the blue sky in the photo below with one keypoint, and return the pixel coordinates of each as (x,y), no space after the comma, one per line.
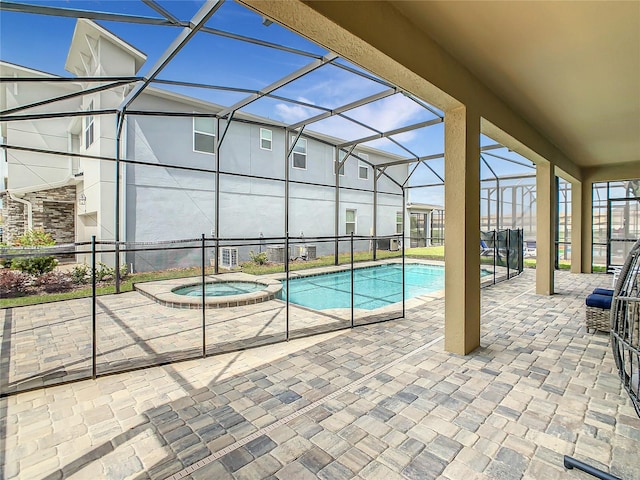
(42,42)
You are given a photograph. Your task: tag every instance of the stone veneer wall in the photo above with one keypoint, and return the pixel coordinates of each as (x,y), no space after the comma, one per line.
(15,218)
(53,211)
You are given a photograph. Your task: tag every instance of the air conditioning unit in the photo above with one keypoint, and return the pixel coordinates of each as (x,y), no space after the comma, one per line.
(275,253)
(394,244)
(229,257)
(305,252)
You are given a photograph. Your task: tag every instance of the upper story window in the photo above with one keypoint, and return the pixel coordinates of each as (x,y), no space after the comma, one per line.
(300,154)
(341,156)
(88,127)
(266,139)
(204,135)
(363,168)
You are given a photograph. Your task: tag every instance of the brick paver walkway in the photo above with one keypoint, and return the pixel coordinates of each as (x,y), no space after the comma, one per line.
(379,401)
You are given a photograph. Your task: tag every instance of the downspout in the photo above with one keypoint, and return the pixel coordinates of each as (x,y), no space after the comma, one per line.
(119,124)
(29,209)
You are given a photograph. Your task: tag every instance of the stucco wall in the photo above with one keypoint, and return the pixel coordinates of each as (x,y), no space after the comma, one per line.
(168,203)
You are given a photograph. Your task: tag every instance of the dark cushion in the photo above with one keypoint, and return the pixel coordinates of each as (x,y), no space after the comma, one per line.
(599,301)
(603,291)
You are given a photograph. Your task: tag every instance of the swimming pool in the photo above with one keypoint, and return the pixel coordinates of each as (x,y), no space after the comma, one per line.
(374,287)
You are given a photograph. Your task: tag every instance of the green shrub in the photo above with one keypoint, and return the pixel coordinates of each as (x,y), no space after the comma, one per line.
(104,271)
(35,265)
(80,274)
(259,258)
(6,249)
(35,238)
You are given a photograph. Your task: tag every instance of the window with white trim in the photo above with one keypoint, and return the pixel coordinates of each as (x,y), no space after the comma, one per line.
(341,155)
(399,221)
(363,168)
(266,139)
(350,221)
(300,154)
(88,127)
(204,135)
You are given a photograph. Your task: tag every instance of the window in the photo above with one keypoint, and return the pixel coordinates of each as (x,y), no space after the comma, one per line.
(363,168)
(204,135)
(266,139)
(398,222)
(341,155)
(300,154)
(88,127)
(350,222)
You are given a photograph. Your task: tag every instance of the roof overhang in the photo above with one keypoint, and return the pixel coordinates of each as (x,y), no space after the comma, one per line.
(81,52)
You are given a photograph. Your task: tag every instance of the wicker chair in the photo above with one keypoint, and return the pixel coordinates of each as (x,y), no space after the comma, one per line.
(598,312)
(625,325)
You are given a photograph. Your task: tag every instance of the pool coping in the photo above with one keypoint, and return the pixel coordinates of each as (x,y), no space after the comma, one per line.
(161,291)
(312,272)
(360,312)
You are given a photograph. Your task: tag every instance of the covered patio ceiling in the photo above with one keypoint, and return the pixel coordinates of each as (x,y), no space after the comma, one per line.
(570,69)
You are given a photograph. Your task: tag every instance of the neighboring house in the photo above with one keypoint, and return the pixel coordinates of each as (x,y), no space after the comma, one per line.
(426,225)
(40,189)
(73,198)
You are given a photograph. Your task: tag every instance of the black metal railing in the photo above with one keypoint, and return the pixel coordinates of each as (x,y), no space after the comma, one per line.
(501,254)
(98,332)
(108,333)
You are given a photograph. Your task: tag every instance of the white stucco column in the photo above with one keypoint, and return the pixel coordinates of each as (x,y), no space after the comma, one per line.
(546,206)
(576,227)
(586,199)
(462,230)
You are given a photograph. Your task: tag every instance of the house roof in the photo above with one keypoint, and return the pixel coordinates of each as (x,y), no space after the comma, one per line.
(8,68)
(81,52)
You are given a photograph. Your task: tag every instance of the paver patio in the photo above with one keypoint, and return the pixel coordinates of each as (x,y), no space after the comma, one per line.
(378,401)
(52,343)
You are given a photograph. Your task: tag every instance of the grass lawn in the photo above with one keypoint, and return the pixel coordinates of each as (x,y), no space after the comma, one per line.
(126,285)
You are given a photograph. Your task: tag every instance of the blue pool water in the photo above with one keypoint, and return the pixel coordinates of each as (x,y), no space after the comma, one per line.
(374,287)
(220,289)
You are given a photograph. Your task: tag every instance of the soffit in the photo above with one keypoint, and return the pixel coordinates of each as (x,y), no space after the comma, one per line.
(571,69)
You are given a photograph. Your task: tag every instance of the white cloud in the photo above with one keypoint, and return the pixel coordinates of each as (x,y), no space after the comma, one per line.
(389,113)
(383,115)
(293,113)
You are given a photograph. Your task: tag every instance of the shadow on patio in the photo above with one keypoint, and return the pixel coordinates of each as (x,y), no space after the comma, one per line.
(378,401)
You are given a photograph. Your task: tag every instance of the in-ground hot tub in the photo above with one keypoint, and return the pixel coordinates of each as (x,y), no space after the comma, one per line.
(221,291)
